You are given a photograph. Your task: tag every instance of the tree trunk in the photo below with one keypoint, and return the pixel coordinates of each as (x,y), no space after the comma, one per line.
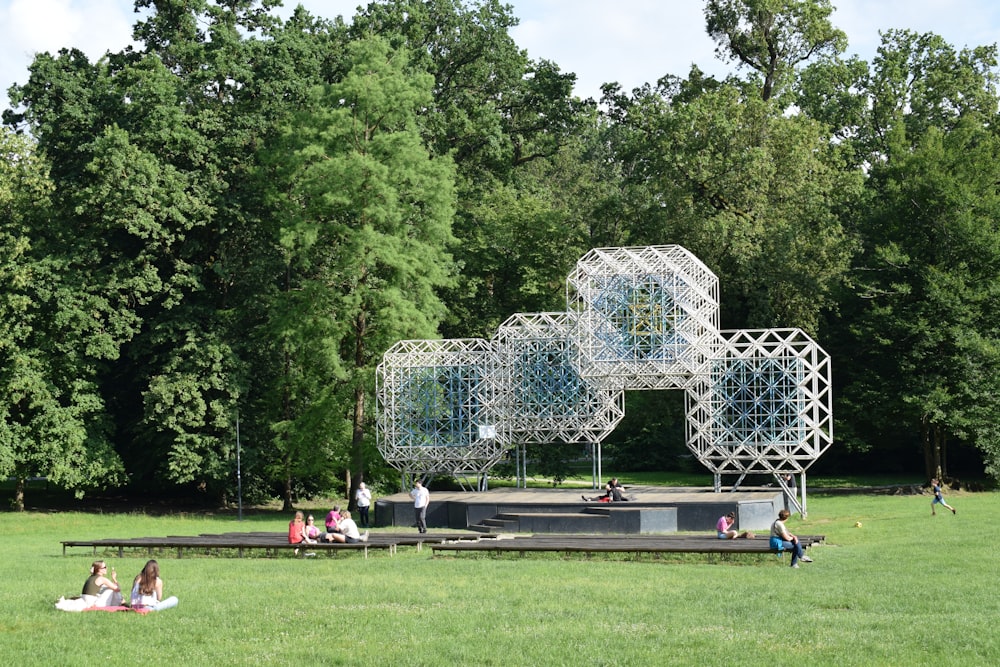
(358,421)
(935,441)
(941,447)
(286,505)
(925,439)
(19,485)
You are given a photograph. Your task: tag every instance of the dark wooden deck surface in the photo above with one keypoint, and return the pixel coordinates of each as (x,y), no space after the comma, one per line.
(454,542)
(242,542)
(708,544)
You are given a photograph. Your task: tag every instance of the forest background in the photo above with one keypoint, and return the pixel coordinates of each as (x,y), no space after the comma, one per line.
(231,223)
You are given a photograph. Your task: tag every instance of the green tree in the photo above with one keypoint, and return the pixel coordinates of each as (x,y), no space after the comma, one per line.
(496,112)
(755,194)
(50,421)
(915,82)
(772,37)
(365,224)
(928,336)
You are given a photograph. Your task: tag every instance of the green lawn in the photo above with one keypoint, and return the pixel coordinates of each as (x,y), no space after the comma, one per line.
(904,589)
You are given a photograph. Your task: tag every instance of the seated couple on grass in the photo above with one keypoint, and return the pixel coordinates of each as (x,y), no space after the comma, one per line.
(103,592)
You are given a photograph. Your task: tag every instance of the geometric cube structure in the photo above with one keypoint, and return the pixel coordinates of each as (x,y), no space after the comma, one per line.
(756,401)
(434,400)
(542,395)
(762,405)
(647,316)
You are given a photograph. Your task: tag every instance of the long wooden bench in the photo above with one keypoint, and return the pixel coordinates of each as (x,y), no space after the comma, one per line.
(242,542)
(620,544)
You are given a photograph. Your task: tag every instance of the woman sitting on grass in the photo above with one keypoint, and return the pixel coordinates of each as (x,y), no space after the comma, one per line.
(147,589)
(99,590)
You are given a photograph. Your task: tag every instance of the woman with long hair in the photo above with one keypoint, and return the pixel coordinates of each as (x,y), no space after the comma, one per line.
(147,589)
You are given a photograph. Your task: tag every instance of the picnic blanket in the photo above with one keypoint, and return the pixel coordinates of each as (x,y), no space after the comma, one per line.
(79,604)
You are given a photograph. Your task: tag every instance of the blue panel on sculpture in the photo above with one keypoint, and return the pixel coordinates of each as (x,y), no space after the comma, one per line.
(549,386)
(437,406)
(642,318)
(758,400)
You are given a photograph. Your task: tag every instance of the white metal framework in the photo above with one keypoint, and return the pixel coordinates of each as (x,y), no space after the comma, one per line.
(763,404)
(543,396)
(756,401)
(647,316)
(436,404)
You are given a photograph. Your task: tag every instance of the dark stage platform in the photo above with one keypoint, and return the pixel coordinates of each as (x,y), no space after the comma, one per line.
(652,510)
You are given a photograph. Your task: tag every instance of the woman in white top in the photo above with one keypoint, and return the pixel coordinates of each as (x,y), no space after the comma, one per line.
(348,531)
(147,589)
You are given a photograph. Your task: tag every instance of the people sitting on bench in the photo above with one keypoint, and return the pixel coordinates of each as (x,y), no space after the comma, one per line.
(725,531)
(347,531)
(331,520)
(782,540)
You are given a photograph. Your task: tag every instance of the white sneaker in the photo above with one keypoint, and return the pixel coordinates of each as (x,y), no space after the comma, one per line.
(364,538)
(806,559)
(796,565)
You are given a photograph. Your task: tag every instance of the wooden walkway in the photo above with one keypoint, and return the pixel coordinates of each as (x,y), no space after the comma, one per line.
(453,542)
(638,544)
(243,542)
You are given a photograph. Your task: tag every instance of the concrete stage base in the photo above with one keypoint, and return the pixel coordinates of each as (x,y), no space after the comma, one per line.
(652,510)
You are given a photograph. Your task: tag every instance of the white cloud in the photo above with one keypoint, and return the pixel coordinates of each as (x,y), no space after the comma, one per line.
(29,27)
(629,41)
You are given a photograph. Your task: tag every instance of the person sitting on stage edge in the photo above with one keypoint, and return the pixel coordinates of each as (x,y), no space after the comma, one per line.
(312,531)
(725,531)
(782,540)
(332,518)
(347,531)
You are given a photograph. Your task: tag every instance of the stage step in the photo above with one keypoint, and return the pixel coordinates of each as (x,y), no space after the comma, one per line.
(586,521)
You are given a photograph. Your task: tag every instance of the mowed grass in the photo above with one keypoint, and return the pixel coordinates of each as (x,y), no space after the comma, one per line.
(904,589)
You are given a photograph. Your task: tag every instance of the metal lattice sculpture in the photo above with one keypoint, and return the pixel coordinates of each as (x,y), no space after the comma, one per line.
(435,401)
(637,318)
(543,396)
(763,404)
(647,316)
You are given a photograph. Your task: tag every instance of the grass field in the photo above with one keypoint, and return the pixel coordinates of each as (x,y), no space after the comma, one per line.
(904,589)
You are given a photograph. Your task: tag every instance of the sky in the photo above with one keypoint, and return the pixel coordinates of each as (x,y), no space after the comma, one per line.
(631,42)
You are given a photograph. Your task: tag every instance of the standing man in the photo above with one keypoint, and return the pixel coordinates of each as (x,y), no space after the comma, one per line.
(421,498)
(364,498)
(793,492)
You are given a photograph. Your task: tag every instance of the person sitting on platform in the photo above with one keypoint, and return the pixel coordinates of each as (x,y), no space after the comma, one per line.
(297,532)
(782,540)
(347,531)
(615,489)
(725,531)
(332,518)
(613,493)
(312,531)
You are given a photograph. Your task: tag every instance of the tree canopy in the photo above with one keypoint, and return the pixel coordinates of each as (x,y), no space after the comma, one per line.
(236,218)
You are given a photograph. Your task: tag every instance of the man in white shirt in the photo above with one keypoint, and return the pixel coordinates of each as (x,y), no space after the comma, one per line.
(421,498)
(364,499)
